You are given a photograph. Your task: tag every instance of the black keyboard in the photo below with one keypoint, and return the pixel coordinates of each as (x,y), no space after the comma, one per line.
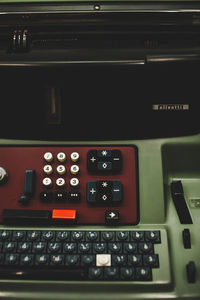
(79,255)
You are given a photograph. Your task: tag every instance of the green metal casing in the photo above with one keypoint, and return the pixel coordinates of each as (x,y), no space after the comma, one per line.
(159,161)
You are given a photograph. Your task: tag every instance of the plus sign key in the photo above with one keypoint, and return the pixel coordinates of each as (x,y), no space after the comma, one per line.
(91,192)
(92,160)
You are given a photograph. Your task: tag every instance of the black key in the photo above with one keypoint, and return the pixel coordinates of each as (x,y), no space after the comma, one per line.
(62,236)
(104,197)
(60,196)
(186,238)
(42,259)
(104,153)
(46,197)
(9,247)
(91,192)
(111,273)
(74,197)
(145,247)
(191,272)
(33,235)
(77,236)
(104,166)
(18,235)
(84,247)
(107,236)
(143,273)
(47,235)
(72,260)
(1,259)
(119,260)
(116,160)
(92,160)
(69,247)
(99,247)
(114,247)
(112,217)
(88,260)
(57,259)
(153,236)
(26,259)
(49,273)
(24,216)
(117,192)
(135,260)
(104,185)
(96,273)
(24,247)
(151,260)
(126,273)
(137,235)
(39,247)
(54,247)
(5,235)
(122,236)
(92,236)
(11,259)
(130,247)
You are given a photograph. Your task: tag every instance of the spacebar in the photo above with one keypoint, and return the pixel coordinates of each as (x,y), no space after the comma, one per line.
(40,273)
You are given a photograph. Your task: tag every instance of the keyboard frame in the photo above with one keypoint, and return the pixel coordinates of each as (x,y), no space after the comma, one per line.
(159,248)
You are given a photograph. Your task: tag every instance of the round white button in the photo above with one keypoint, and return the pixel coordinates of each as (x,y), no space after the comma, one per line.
(74,169)
(48,156)
(74,182)
(61,157)
(61,169)
(60,182)
(74,156)
(47,182)
(48,169)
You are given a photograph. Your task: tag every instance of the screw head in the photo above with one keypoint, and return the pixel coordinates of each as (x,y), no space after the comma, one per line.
(97,7)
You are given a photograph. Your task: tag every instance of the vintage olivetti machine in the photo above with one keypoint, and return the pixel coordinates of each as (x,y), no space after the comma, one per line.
(99,150)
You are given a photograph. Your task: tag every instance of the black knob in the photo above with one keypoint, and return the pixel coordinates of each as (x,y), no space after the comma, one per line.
(191,272)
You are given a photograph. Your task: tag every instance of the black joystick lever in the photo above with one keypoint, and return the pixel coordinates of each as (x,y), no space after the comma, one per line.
(29,187)
(180,203)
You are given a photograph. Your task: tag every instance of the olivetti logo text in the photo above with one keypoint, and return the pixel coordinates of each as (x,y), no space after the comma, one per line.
(170,107)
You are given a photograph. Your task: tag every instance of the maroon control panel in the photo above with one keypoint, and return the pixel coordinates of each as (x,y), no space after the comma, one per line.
(75,184)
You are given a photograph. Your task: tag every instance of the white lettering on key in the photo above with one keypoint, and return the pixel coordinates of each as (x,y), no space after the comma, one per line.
(92,191)
(112,215)
(93,159)
(104,152)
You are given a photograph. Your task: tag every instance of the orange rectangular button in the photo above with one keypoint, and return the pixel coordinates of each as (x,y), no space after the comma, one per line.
(64,214)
